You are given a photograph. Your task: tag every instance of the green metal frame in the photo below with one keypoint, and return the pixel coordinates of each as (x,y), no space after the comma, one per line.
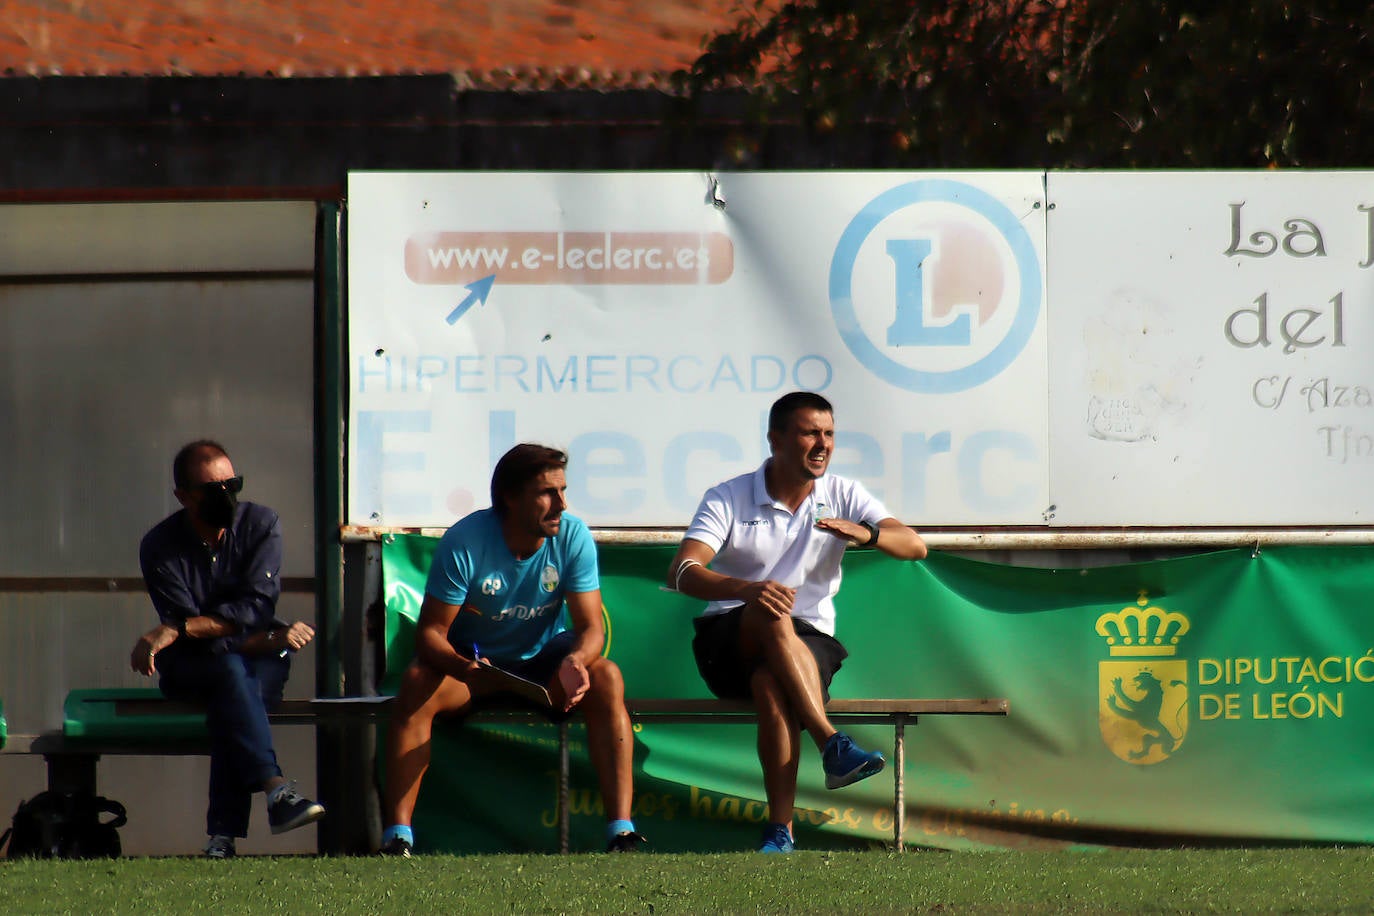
(329,429)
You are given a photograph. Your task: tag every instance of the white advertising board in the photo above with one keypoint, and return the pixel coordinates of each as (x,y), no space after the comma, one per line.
(646,321)
(1211,336)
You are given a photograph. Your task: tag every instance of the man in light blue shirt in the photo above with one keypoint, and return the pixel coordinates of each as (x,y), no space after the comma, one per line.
(515,588)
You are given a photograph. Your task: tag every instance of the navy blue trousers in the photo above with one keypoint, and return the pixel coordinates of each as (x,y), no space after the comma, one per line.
(237,691)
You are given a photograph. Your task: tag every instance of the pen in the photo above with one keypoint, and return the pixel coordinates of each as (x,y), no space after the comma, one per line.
(476,654)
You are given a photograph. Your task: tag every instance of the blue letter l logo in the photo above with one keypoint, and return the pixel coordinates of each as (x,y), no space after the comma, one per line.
(909,329)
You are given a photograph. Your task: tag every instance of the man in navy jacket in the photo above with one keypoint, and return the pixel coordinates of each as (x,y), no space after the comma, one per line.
(213,572)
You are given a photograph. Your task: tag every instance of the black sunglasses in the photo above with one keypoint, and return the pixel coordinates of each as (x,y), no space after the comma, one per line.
(230,485)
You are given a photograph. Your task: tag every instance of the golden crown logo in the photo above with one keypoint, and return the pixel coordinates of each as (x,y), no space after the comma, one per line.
(1142,630)
(1146,722)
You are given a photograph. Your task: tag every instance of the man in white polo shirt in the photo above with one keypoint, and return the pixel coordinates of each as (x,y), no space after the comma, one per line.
(764,548)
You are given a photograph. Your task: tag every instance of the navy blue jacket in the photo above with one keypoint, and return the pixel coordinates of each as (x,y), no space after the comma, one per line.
(239,581)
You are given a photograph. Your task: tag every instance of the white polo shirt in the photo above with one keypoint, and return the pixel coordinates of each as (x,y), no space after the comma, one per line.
(757,538)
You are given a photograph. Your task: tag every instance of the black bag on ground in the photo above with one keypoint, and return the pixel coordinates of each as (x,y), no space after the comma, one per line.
(65,825)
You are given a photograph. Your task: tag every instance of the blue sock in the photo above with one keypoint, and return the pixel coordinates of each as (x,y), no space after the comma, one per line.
(398,830)
(616,828)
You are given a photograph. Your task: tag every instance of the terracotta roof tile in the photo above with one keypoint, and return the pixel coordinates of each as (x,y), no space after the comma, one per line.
(563,38)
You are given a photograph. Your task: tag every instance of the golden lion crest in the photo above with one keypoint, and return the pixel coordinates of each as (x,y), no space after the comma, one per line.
(1143,706)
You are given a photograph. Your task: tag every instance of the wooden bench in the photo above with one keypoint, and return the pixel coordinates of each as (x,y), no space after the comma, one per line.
(136,721)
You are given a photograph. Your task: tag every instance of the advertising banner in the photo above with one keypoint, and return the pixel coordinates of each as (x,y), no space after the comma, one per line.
(1211,344)
(1224,697)
(646,321)
(1080,349)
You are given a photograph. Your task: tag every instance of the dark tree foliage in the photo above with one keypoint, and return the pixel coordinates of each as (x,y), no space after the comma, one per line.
(1061,83)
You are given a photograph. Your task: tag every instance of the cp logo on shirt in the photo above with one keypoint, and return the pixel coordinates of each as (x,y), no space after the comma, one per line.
(493,585)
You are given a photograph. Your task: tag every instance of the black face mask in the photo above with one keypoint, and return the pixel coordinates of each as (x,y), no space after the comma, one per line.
(217,506)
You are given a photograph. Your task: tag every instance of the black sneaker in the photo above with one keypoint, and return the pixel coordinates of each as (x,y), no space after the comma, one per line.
(626,842)
(292,810)
(397,847)
(220,847)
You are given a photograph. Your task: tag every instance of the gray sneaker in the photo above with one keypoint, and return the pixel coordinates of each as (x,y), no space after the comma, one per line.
(220,847)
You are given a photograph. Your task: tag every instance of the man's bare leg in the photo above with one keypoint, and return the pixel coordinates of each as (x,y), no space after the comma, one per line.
(779,746)
(424,694)
(610,740)
(792,665)
(774,641)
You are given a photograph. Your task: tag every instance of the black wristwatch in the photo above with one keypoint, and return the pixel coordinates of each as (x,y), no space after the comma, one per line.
(181,627)
(872,530)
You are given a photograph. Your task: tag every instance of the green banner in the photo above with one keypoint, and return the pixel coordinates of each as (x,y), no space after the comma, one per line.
(1217,698)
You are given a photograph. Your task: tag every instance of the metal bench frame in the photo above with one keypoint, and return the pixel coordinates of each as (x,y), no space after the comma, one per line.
(72,761)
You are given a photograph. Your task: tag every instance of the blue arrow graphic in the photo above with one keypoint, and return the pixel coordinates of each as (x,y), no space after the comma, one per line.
(478,290)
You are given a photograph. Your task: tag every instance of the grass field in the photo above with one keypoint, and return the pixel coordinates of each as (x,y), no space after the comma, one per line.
(1302,880)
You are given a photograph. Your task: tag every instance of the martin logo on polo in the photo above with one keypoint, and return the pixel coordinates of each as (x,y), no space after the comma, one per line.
(493,584)
(1143,707)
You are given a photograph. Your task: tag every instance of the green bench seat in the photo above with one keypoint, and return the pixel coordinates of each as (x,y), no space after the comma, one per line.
(90,716)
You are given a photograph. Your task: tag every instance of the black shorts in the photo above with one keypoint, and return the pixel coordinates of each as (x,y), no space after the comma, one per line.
(727,674)
(540,669)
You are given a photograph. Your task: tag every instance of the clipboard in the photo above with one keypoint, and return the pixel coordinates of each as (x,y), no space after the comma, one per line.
(522,687)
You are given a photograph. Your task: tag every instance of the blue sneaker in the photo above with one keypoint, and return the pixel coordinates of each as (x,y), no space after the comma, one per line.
(776,838)
(845,762)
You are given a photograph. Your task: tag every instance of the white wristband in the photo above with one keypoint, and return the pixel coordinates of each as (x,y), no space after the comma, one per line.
(682,568)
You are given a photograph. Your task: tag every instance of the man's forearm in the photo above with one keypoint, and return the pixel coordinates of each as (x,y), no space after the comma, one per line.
(438,653)
(695,580)
(587,646)
(252,611)
(900,542)
(209,626)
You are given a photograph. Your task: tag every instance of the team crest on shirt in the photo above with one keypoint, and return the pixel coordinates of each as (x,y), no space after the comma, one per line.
(493,584)
(549,580)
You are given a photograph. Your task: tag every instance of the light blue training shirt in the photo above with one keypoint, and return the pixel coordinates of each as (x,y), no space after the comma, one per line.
(509,608)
